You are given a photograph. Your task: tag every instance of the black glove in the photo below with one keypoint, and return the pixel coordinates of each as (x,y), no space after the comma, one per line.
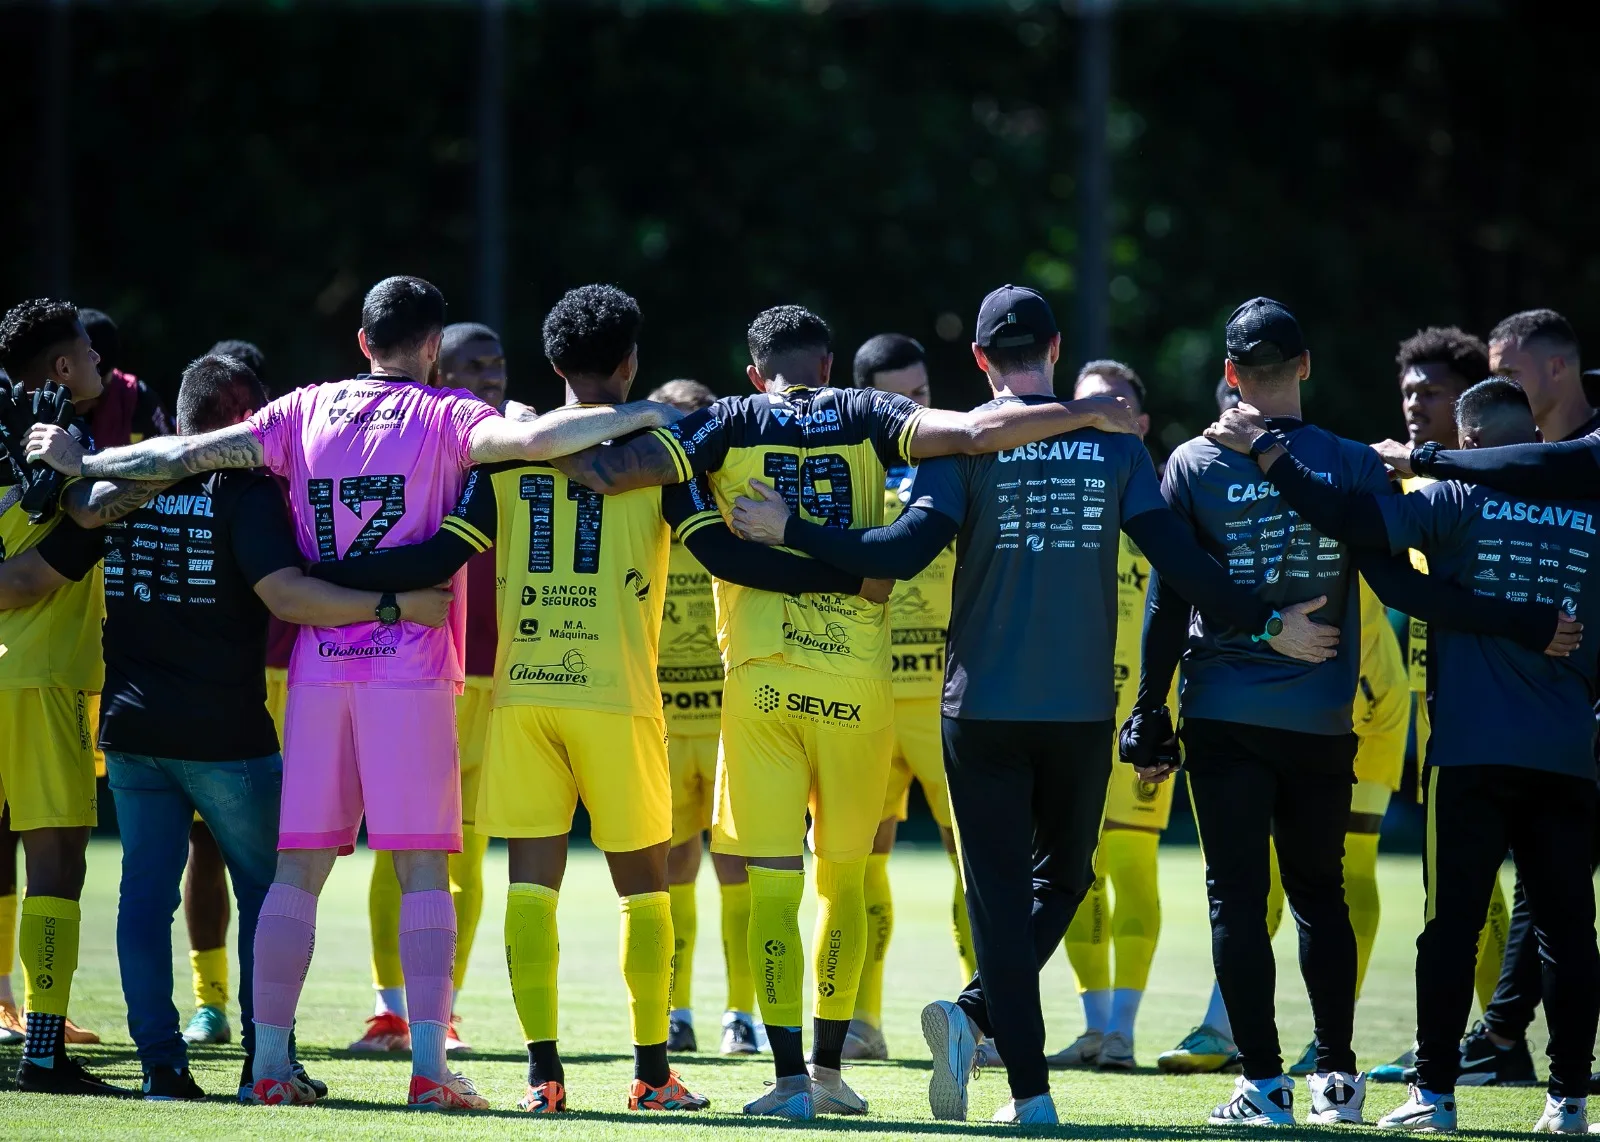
(1147,739)
(52,404)
(13,433)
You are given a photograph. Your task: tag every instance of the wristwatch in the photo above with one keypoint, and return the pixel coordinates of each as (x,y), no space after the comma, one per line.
(388,611)
(1266,442)
(1422,458)
(1273,629)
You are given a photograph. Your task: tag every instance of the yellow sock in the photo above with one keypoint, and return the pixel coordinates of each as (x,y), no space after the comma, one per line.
(736,946)
(533,952)
(1088,938)
(48,948)
(466,891)
(1131,862)
(776,956)
(880,927)
(1361,895)
(645,949)
(961,925)
(383,922)
(841,936)
(1274,892)
(210,969)
(8,934)
(685,926)
(1491,946)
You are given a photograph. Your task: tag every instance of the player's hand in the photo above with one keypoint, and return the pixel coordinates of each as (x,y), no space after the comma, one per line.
(429,606)
(1109,414)
(877,590)
(1569,633)
(1302,638)
(1148,742)
(1395,454)
(55,446)
(1237,428)
(760,520)
(517,411)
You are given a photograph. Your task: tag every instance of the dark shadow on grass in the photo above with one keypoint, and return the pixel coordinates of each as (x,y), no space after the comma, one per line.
(308,1052)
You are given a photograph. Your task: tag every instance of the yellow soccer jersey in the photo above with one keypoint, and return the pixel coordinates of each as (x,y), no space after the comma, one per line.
(56,641)
(1383,696)
(827,452)
(919,609)
(690,672)
(1133,578)
(1417,631)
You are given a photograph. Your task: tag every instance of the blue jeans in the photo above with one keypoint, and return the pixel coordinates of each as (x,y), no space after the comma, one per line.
(156,800)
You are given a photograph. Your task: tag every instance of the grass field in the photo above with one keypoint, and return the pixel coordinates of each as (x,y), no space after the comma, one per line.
(366,1096)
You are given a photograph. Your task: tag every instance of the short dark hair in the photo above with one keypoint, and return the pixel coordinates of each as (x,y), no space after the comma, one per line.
(1017,358)
(1116,371)
(1227,396)
(786,329)
(1536,325)
(32,328)
(460,333)
(217,391)
(1447,345)
(105,338)
(685,394)
(591,330)
(1485,403)
(248,352)
(401,313)
(1278,373)
(885,353)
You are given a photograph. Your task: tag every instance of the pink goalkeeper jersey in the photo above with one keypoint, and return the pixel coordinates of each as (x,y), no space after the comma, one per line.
(372,462)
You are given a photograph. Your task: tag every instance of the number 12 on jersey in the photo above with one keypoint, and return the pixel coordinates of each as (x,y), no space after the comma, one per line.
(539,490)
(355,491)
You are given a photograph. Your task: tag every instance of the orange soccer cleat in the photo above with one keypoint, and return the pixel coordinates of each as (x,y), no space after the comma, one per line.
(385,1033)
(670,1095)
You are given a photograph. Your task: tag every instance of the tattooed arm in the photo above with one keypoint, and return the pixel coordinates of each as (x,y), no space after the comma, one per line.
(167,458)
(563,431)
(643,462)
(95,503)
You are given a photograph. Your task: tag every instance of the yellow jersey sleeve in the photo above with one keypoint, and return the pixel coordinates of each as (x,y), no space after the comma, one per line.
(54,642)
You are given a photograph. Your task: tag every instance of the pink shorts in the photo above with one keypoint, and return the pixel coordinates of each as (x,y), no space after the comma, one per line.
(388,751)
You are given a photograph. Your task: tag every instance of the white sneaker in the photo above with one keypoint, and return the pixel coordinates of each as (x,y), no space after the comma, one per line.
(1084,1051)
(1040,1110)
(1116,1052)
(1336,1096)
(863,1041)
(1423,1113)
(988,1054)
(830,1094)
(789,1098)
(1563,1116)
(953,1042)
(1269,1102)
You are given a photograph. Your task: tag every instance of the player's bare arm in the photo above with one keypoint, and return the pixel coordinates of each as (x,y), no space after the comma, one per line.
(563,431)
(943,433)
(27,579)
(167,458)
(95,503)
(297,598)
(641,463)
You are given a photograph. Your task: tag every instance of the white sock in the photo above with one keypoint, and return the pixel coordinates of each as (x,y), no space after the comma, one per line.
(391,1001)
(682,1015)
(5,990)
(1096,1009)
(1217,1012)
(272,1052)
(427,1050)
(1124,1010)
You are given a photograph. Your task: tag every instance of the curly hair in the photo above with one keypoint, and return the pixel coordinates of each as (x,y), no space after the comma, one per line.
(786,329)
(591,330)
(31,328)
(1447,345)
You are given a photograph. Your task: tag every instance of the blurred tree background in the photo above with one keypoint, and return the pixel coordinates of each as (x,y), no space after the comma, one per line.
(247,170)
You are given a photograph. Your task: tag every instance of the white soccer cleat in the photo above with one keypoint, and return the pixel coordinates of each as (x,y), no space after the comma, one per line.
(1116,1052)
(830,1094)
(1336,1097)
(1423,1113)
(988,1054)
(790,1097)
(864,1042)
(1269,1102)
(953,1042)
(1083,1052)
(1039,1110)
(1563,1116)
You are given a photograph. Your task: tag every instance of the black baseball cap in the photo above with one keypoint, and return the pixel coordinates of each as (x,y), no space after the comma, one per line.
(1014,316)
(1263,332)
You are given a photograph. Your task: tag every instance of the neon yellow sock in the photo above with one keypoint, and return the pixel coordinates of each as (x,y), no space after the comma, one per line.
(533,954)
(466,891)
(736,946)
(644,949)
(879,900)
(1088,938)
(1361,895)
(48,948)
(685,926)
(776,954)
(210,969)
(383,922)
(1131,863)
(961,925)
(1274,892)
(1492,946)
(8,934)
(841,936)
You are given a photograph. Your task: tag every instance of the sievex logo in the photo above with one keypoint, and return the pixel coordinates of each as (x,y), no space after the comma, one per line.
(1054,450)
(768,699)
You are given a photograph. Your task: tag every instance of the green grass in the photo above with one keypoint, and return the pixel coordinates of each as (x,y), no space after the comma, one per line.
(367,1095)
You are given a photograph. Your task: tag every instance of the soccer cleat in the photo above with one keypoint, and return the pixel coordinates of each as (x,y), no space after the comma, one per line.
(739,1034)
(13,1032)
(68,1076)
(455,1093)
(1204,1051)
(953,1041)
(790,1097)
(680,1034)
(77,1036)
(386,1033)
(208,1025)
(1084,1051)
(170,1084)
(1039,1110)
(1336,1097)
(988,1055)
(1306,1064)
(452,1036)
(1116,1052)
(1269,1102)
(319,1087)
(864,1042)
(1563,1116)
(546,1098)
(830,1094)
(293,1091)
(1396,1072)
(1483,1063)
(670,1095)
(1423,1113)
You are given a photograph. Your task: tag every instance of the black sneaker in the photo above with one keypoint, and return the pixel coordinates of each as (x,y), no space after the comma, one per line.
(1485,1064)
(680,1036)
(68,1076)
(317,1085)
(168,1084)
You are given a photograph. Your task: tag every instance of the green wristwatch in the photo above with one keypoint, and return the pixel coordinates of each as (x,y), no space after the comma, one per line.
(1273,629)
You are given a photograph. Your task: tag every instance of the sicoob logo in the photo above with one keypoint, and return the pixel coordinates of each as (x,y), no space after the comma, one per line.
(766,699)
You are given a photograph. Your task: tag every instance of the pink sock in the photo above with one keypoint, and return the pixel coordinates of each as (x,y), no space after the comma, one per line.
(285,936)
(428,955)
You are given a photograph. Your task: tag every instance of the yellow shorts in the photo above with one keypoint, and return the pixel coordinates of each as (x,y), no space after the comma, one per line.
(693,761)
(472,727)
(919,754)
(277,697)
(1370,798)
(539,760)
(1381,727)
(794,739)
(47,758)
(94,736)
(1136,803)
